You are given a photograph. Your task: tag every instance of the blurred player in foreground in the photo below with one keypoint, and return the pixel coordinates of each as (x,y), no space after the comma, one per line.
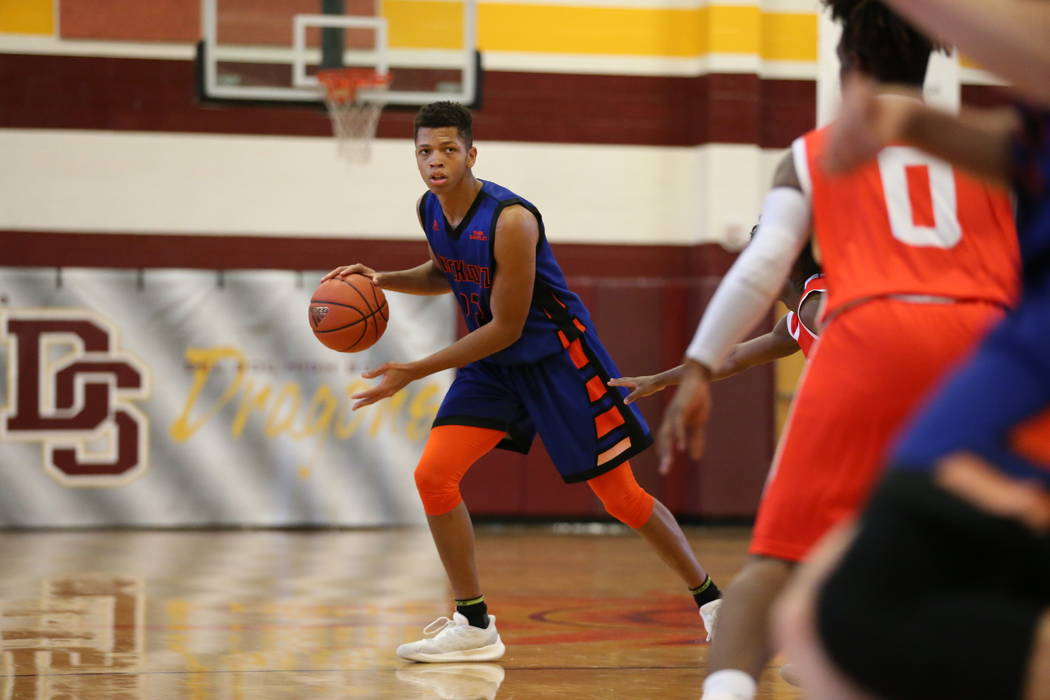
(919,260)
(965,507)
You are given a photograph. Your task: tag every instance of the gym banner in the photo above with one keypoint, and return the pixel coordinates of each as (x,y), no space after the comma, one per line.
(195,398)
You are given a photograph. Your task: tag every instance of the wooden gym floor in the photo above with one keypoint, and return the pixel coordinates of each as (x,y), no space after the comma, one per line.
(587,612)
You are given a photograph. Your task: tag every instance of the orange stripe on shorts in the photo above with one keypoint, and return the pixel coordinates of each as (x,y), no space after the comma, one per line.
(608,421)
(595,388)
(614,451)
(579,358)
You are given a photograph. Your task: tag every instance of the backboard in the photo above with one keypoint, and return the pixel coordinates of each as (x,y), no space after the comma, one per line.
(270,50)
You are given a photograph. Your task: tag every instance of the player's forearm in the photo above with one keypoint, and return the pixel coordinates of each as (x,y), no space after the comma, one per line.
(670,377)
(478,344)
(733,364)
(754,352)
(977,140)
(423,279)
(1008,37)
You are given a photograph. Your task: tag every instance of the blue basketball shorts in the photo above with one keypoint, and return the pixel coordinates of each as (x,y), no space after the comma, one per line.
(586,427)
(997,404)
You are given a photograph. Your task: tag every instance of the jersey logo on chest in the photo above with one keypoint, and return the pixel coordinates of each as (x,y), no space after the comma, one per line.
(463,271)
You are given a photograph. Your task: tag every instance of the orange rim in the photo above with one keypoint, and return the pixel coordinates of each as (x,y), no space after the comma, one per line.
(342,84)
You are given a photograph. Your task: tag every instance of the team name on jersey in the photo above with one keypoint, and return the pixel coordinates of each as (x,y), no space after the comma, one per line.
(462,271)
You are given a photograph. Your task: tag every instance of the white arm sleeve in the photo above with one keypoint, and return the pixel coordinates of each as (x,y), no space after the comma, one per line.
(755,279)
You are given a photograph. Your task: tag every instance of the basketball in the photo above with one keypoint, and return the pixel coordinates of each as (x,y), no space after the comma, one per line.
(348,315)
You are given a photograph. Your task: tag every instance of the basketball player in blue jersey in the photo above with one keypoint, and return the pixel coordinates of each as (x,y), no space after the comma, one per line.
(531,363)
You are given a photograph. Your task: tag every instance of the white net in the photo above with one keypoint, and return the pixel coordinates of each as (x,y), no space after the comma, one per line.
(354,116)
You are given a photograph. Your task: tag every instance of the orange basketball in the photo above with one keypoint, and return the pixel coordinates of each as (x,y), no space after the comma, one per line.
(348,315)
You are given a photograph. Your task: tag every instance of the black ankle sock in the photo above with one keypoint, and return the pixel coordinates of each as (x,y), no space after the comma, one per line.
(475,610)
(705,592)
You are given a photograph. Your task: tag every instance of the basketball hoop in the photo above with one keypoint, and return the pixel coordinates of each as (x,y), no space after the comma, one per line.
(354,119)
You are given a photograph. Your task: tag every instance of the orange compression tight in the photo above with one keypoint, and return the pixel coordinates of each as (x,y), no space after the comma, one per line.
(449,453)
(622,497)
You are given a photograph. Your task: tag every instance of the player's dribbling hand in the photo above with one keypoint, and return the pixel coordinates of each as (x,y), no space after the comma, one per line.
(395,376)
(642,386)
(345,271)
(685,420)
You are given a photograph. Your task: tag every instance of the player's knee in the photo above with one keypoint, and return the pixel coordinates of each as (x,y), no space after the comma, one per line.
(438,489)
(622,497)
(632,509)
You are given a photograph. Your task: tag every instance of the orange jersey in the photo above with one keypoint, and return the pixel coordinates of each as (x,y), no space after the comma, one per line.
(805,337)
(908,223)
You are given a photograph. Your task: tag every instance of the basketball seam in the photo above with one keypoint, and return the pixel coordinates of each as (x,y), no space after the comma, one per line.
(359,292)
(364,329)
(375,300)
(354,323)
(338,303)
(375,295)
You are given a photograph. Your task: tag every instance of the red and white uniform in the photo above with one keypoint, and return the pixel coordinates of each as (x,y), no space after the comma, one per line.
(919,259)
(804,336)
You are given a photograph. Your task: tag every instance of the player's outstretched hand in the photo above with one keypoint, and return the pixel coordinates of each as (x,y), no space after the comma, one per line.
(641,386)
(345,271)
(867,122)
(395,376)
(685,420)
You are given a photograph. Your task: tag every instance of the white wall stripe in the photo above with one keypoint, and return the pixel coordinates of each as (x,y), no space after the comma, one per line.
(286,186)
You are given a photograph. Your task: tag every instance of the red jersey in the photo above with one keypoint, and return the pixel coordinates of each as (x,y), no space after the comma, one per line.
(804,336)
(908,224)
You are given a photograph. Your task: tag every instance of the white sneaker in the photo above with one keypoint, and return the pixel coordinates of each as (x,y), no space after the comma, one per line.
(454,640)
(455,681)
(709,614)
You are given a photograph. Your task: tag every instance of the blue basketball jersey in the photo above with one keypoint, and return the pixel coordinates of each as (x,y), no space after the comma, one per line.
(465,254)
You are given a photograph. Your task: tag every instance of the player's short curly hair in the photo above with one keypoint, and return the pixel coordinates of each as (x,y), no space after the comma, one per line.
(445,113)
(890,49)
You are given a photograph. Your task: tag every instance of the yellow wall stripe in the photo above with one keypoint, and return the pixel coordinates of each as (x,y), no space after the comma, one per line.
(566,29)
(789,36)
(421,24)
(590,30)
(733,29)
(27,17)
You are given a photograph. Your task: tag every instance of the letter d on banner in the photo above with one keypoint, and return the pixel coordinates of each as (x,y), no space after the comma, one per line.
(71,389)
